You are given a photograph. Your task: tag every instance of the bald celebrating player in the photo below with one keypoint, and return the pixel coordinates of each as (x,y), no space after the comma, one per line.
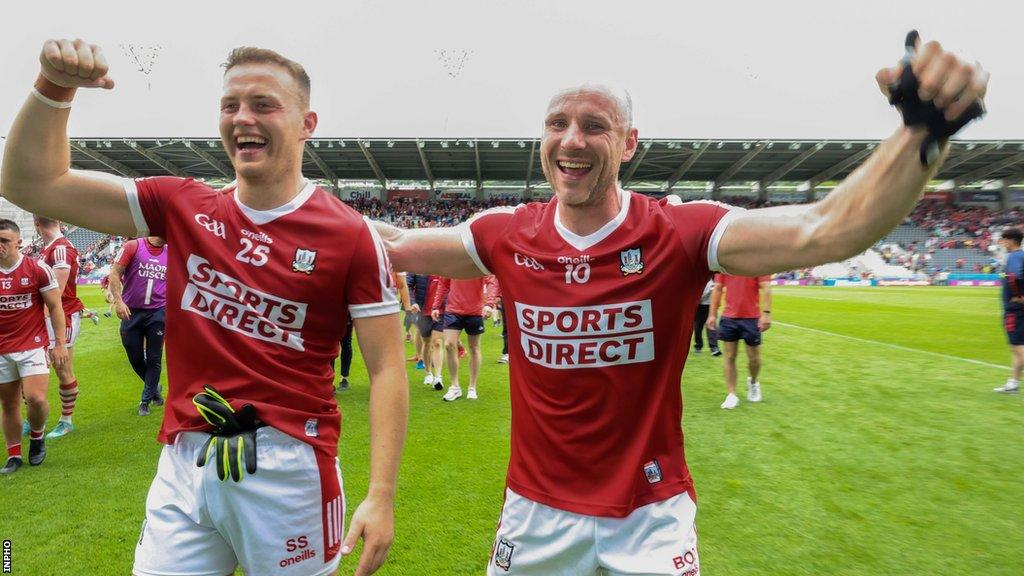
(597,282)
(261,282)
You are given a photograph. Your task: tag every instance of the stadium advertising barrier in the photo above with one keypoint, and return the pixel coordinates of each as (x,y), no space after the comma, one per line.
(511,196)
(1016,198)
(973,283)
(801,282)
(414,194)
(451,194)
(902,282)
(939,196)
(845,282)
(874,282)
(990,198)
(959,279)
(360,194)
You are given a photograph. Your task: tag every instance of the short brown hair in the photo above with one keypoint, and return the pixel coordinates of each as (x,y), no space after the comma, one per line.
(253,55)
(6,224)
(1012,234)
(44,221)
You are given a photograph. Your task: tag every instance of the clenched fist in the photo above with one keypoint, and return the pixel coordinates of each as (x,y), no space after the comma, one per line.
(75,64)
(946,80)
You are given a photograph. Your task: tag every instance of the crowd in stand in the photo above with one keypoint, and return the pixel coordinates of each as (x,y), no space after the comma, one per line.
(948,227)
(954,227)
(415,213)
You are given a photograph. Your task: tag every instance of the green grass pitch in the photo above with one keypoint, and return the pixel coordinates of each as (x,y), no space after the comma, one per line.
(879,449)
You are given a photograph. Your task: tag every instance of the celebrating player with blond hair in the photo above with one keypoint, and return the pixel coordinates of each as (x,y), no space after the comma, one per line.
(261,282)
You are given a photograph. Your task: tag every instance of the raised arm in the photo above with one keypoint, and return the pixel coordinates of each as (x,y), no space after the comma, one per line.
(437,251)
(37,173)
(873,199)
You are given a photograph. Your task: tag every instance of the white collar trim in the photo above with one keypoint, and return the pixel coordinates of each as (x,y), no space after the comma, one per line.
(581,243)
(261,217)
(57,237)
(12,268)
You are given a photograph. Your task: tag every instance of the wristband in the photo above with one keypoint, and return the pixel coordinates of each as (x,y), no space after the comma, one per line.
(53,95)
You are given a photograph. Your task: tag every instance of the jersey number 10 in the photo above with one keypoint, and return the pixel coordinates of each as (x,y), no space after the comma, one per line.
(578,273)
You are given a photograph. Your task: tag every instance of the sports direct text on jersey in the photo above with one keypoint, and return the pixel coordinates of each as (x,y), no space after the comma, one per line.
(241,308)
(587,336)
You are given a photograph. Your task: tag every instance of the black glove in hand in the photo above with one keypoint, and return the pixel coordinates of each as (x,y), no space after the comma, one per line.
(231,454)
(234,435)
(903,95)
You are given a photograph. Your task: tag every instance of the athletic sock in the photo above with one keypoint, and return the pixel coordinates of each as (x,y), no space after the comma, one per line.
(68,397)
(33,435)
(14,450)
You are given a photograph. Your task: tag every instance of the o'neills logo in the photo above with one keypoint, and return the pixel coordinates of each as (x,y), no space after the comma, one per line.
(235,306)
(587,336)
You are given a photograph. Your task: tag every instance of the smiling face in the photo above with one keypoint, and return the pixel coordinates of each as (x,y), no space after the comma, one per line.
(264,121)
(587,137)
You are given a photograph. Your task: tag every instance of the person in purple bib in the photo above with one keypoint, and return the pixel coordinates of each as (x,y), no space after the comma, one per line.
(138,283)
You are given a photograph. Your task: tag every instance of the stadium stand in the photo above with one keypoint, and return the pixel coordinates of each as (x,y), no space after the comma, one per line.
(21,218)
(935,239)
(84,240)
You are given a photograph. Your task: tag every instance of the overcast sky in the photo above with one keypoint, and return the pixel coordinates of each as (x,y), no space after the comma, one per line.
(704,69)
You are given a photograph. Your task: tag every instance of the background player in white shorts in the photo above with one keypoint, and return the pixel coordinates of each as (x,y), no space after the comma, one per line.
(263,280)
(595,345)
(62,256)
(25,287)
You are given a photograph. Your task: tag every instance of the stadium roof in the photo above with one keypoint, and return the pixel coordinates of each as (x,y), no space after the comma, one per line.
(659,164)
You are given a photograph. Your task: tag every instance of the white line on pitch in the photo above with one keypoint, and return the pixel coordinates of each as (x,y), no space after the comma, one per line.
(896,346)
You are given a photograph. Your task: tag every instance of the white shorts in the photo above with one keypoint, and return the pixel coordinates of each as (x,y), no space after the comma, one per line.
(657,539)
(17,365)
(286,519)
(73,324)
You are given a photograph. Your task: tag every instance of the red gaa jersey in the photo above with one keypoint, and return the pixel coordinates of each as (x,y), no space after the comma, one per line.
(61,253)
(741,297)
(258,300)
(465,297)
(598,328)
(22,322)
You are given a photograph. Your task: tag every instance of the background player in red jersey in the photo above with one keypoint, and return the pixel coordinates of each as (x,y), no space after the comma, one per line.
(747,314)
(465,303)
(25,287)
(596,284)
(263,279)
(62,256)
